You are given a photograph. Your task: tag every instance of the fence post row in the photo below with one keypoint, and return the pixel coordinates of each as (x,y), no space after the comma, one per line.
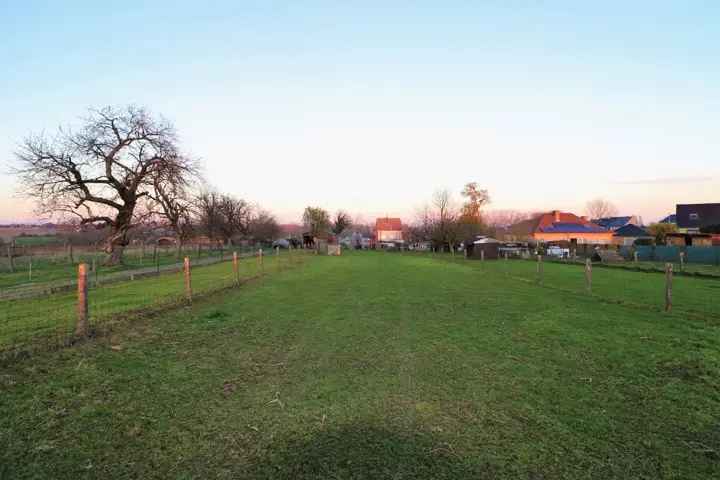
(188,282)
(668,286)
(81,322)
(588,275)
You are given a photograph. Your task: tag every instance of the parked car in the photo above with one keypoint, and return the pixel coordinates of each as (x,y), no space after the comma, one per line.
(559,252)
(511,250)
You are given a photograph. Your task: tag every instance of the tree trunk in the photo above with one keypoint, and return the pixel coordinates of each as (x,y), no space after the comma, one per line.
(115,255)
(115,247)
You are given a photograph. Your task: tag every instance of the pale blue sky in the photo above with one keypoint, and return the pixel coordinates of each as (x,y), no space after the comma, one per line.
(370,107)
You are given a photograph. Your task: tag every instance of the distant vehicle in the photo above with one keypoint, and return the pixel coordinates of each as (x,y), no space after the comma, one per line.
(511,249)
(282,243)
(559,252)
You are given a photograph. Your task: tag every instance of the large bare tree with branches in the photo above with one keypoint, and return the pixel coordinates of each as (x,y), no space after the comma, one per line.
(103,173)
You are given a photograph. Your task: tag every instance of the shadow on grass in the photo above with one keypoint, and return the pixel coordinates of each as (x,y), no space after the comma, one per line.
(366,452)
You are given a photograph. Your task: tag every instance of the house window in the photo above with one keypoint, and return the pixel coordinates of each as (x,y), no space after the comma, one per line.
(694,216)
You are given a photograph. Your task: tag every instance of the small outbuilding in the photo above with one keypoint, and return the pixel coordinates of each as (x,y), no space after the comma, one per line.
(629,234)
(482,247)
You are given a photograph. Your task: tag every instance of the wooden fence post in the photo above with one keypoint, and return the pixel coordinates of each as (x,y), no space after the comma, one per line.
(72,256)
(30,269)
(668,286)
(482,255)
(188,280)
(682,261)
(236,269)
(81,323)
(588,275)
(539,269)
(11,262)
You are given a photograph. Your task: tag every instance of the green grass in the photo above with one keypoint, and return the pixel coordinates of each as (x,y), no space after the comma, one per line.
(37,240)
(376,365)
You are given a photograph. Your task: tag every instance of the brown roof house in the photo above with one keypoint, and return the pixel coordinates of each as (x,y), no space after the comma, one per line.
(389,230)
(557,226)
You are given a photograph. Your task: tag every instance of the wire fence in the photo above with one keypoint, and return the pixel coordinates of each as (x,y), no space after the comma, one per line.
(61,318)
(42,272)
(669,289)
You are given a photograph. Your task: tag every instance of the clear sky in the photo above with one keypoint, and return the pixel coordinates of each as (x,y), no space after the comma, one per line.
(371,106)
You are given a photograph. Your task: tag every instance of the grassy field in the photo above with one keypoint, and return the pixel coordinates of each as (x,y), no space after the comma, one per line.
(38,240)
(377,365)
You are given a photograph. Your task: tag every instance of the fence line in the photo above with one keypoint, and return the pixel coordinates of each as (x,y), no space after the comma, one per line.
(64,285)
(669,291)
(61,319)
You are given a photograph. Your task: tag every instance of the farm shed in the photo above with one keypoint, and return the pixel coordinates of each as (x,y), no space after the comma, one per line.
(629,234)
(689,239)
(484,247)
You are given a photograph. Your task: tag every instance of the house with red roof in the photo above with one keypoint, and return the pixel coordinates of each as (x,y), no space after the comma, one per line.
(388,230)
(557,226)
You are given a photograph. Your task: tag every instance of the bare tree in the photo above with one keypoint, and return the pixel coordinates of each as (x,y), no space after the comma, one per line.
(221,217)
(505,218)
(172,199)
(263,226)
(102,173)
(445,218)
(421,229)
(600,208)
(341,222)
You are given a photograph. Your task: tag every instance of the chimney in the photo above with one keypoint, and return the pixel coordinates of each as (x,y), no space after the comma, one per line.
(557,216)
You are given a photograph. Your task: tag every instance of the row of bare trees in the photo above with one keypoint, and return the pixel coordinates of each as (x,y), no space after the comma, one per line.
(122,168)
(446,222)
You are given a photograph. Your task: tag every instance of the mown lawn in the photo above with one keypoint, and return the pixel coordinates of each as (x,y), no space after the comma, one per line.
(375,365)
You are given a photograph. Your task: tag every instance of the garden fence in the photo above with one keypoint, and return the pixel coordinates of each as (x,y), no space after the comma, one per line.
(74,308)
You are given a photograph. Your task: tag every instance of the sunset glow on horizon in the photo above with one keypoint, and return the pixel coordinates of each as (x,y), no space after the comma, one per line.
(372,108)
